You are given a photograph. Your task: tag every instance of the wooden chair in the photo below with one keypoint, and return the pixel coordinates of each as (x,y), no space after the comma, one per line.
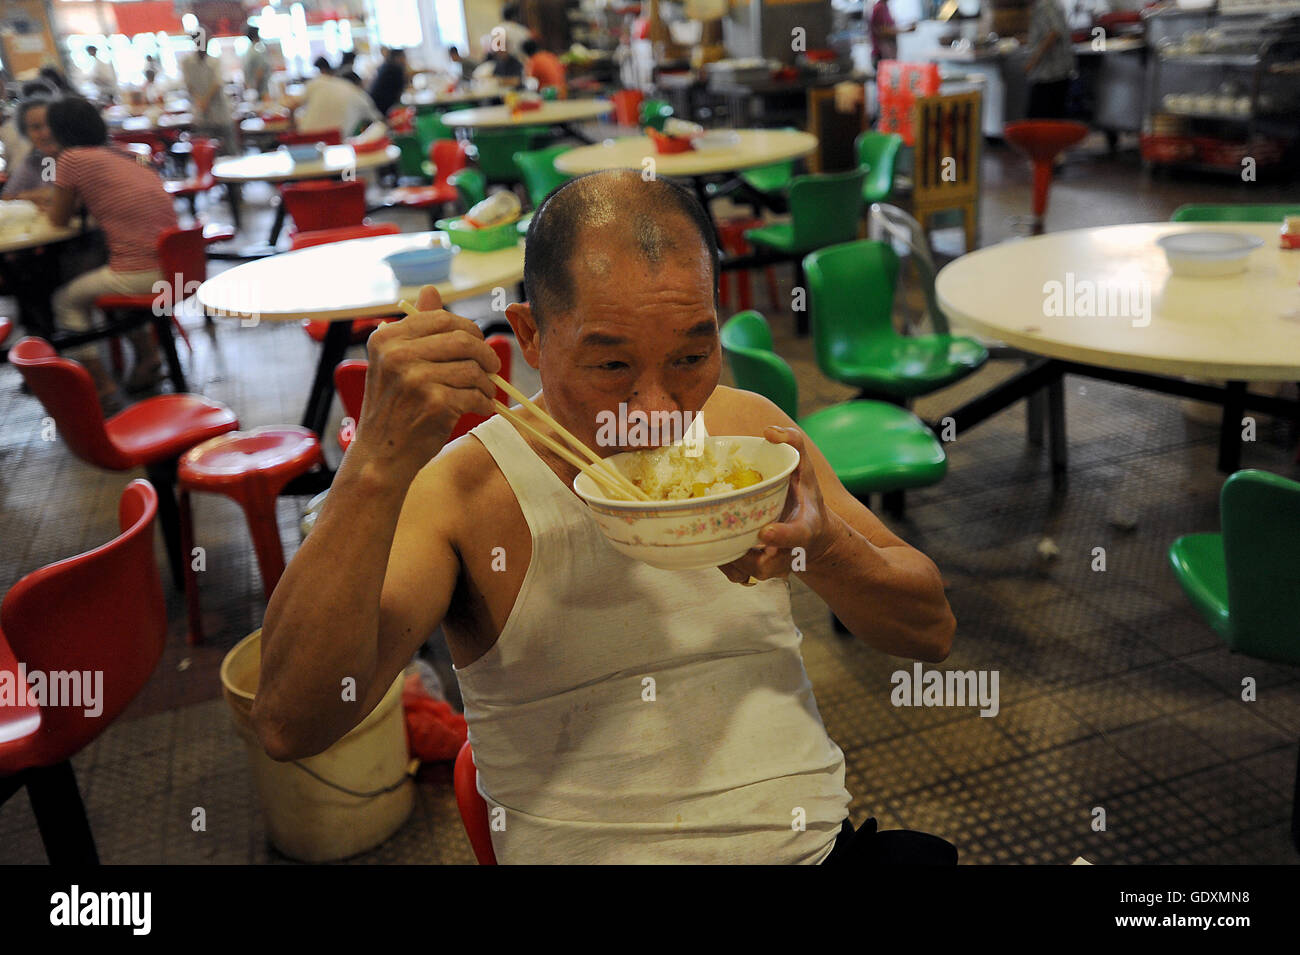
(946,173)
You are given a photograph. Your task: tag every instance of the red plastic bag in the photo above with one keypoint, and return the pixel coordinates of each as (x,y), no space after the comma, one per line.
(434,731)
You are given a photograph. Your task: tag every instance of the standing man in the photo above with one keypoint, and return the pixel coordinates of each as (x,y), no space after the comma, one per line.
(1051,61)
(102,75)
(390,82)
(884,34)
(208,102)
(257,69)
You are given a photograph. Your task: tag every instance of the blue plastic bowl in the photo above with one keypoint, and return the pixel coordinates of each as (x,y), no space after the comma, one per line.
(421,266)
(303,152)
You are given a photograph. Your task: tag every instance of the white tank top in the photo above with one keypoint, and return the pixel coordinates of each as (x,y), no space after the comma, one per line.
(723,758)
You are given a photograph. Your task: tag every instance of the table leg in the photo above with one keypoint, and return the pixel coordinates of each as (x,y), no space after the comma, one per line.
(576,133)
(1234,403)
(167,342)
(236,197)
(1056,413)
(335,346)
(278,224)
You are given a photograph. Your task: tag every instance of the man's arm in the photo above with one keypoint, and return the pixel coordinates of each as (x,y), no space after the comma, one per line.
(886,592)
(343,611)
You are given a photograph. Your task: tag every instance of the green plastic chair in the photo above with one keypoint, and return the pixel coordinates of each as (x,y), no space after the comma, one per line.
(430,127)
(1246,580)
(654,112)
(540,176)
(770,181)
(851,299)
(411,162)
(1262,212)
(496,153)
(873,446)
(825,209)
(470,184)
(877,153)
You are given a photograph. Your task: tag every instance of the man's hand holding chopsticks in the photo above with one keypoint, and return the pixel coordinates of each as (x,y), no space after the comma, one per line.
(425,372)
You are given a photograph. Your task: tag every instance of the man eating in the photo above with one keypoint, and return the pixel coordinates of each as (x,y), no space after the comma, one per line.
(552,632)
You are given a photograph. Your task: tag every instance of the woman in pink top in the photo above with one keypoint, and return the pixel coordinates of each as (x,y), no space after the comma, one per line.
(132,209)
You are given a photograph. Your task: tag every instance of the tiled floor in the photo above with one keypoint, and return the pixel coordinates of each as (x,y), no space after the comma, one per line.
(1117,703)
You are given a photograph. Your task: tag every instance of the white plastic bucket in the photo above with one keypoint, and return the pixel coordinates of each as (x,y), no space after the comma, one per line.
(341,802)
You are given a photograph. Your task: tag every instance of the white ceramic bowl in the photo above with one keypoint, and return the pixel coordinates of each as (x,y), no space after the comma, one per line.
(1208,254)
(698,532)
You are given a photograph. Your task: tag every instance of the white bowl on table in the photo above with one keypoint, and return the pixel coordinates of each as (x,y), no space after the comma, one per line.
(698,532)
(1208,254)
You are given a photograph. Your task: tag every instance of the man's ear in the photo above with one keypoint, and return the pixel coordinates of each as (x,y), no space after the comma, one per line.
(520,317)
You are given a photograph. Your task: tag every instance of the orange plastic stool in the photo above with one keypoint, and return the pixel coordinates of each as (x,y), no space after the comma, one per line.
(732,234)
(627,107)
(1042,140)
(250,467)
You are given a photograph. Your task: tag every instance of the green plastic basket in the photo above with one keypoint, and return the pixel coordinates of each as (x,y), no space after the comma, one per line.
(480,240)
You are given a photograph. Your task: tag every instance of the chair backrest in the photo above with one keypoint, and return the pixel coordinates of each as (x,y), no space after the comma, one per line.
(901,227)
(948,138)
(429,128)
(473,807)
(325,204)
(747,342)
(1260,212)
(1261,544)
(826,208)
(100,615)
(350,383)
(654,112)
(537,167)
(850,298)
(447,156)
(65,390)
(304,240)
(496,152)
(183,258)
(411,161)
(204,154)
(627,106)
(877,153)
(330,137)
(471,185)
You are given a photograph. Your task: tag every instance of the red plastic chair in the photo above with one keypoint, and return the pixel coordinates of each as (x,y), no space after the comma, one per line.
(1042,140)
(6,327)
(152,434)
(732,234)
(324,204)
(447,156)
(350,384)
(361,327)
(100,612)
(204,153)
(183,261)
(627,107)
(473,807)
(156,144)
(250,468)
(330,137)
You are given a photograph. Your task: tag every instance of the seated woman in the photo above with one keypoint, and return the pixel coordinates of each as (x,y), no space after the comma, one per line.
(132,209)
(26,179)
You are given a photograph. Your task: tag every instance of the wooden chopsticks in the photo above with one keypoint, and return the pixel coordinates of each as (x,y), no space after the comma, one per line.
(597,468)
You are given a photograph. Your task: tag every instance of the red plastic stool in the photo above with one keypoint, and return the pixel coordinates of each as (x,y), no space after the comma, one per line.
(732,234)
(627,107)
(1042,140)
(250,467)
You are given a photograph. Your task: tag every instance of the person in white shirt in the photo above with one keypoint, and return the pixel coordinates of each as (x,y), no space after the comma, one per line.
(509,31)
(208,100)
(332,103)
(102,75)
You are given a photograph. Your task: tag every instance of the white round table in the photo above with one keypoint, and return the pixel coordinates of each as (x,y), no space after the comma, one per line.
(431,97)
(1103,302)
(755,147)
(278,166)
(42,234)
(342,281)
(552,113)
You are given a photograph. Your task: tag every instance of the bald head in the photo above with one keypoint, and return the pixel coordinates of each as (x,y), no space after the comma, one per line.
(601,216)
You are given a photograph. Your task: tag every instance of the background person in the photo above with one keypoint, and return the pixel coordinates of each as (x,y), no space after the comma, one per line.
(132,209)
(1051,61)
(332,103)
(884,33)
(208,101)
(29,175)
(390,81)
(102,75)
(545,67)
(257,68)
